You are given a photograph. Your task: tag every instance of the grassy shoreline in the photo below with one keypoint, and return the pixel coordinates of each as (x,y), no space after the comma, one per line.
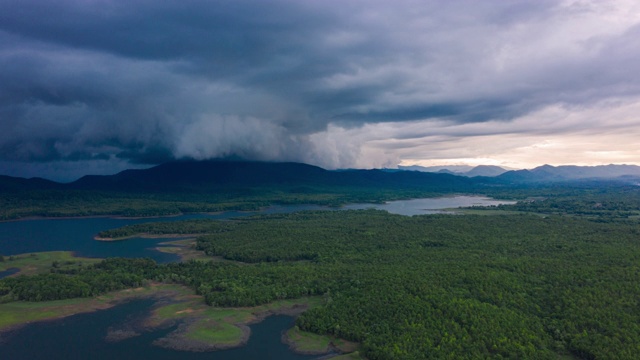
(41,262)
(313,344)
(206,328)
(102,216)
(186,250)
(145,236)
(202,328)
(20,313)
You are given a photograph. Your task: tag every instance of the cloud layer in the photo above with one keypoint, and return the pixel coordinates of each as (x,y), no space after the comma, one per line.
(338,84)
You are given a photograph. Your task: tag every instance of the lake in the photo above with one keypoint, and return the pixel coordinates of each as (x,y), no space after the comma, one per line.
(83,337)
(76,234)
(59,339)
(429,205)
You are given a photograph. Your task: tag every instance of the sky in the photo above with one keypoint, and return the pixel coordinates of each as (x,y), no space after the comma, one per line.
(98,86)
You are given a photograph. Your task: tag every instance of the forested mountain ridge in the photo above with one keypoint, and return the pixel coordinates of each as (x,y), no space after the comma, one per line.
(459,170)
(540,174)
(209,186)
(194,175)
(10,183)
(548,173)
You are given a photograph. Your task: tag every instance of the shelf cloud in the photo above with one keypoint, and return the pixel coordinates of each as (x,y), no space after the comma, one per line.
(337,84)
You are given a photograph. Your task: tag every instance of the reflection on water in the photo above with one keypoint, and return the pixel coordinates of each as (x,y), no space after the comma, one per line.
(429,205)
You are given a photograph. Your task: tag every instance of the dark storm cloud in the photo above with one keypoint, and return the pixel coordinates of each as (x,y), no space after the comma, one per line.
(147,81)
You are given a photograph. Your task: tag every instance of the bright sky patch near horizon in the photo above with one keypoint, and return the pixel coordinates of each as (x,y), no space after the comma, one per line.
(94,87)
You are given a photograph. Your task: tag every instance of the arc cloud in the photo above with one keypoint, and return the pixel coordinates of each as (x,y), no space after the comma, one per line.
(103,85)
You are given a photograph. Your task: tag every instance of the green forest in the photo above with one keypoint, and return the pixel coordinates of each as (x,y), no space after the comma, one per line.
(421,287)
(65,203)
(598,203)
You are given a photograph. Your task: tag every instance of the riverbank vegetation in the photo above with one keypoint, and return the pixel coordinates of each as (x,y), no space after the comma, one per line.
(18,313)
(43,262)
(598,203)
(185,249)
(74,203)
(202,327)
(422,287)
(186,227)
(206,328)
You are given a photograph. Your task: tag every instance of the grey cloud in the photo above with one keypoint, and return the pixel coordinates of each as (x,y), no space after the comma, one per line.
(147,81)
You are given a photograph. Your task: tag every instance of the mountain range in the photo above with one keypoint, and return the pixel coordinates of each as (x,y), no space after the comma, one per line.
(219,175)
(548,173)
(460,170)
(544,173)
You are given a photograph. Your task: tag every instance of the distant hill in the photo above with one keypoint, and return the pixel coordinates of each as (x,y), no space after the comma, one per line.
(196,176)
(434,169)
(460,170)
(10,183)
(220,176)
(183,175)
(548,173)
(485,170)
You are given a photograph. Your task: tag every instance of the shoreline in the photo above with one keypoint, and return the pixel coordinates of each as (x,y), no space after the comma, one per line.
(179,340)
(108,216)
(192,315)
(123,217)
(60,309)
(176,340)
(38,262)
(185,249)
(258,210)
(148,236)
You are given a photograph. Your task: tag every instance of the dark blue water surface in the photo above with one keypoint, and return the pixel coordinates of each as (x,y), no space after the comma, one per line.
(8,272)
(17,237)
(83,337)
